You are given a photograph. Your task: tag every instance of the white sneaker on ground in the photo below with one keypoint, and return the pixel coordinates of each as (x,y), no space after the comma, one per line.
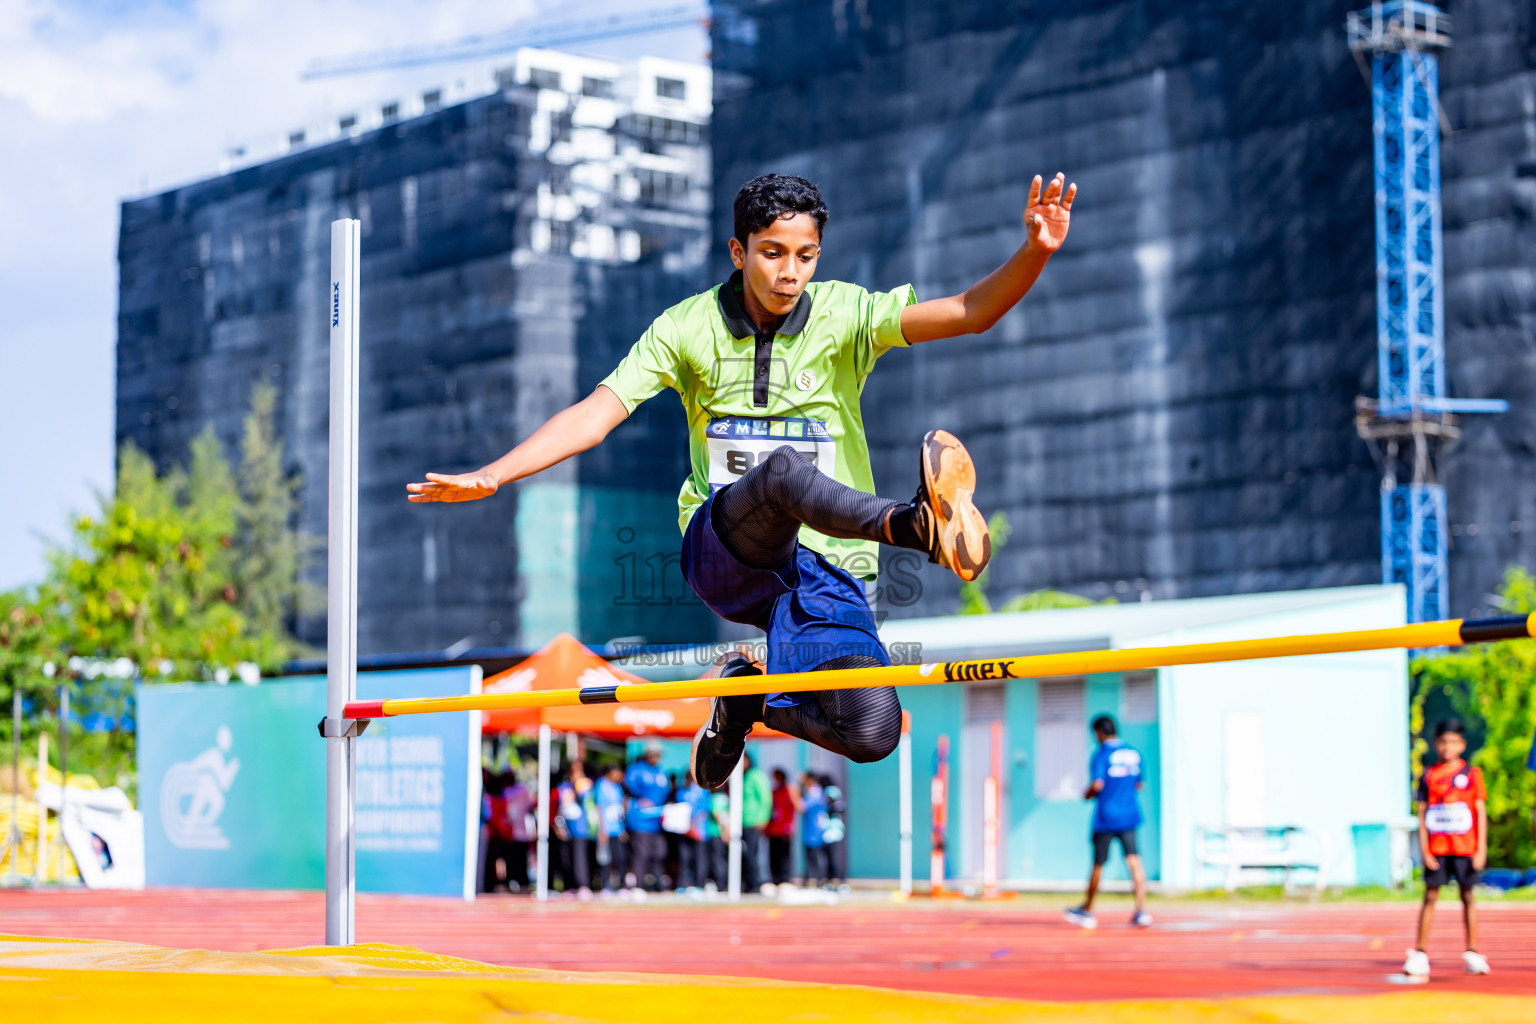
(1080,917)
(1476,962)
(1141,919)
(1417,964)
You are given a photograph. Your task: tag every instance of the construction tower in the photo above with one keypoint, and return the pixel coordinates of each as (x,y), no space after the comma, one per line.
(1412,414)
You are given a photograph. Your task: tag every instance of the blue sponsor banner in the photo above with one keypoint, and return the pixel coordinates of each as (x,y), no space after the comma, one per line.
(232,785)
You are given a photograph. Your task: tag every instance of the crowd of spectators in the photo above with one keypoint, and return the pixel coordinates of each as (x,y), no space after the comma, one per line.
(637,828)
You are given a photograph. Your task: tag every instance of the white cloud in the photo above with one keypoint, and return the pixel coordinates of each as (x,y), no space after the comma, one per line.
(100,100)
(66,67)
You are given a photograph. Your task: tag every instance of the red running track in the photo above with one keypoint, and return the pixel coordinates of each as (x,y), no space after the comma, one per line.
(1017,949)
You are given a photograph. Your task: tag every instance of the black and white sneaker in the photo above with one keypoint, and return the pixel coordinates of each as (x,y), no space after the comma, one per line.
(720,743)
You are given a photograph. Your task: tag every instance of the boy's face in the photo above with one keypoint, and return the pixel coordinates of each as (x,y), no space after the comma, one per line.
(777,262)
(1450,745)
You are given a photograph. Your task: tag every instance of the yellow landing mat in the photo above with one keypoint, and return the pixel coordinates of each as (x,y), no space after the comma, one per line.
(64,981)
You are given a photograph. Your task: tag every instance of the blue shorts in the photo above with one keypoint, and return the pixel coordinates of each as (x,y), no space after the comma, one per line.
(811,610)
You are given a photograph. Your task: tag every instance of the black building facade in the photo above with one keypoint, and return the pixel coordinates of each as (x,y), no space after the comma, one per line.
(472,335)
(1170,411)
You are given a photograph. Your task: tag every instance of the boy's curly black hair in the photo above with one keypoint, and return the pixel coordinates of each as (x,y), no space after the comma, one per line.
(768,197)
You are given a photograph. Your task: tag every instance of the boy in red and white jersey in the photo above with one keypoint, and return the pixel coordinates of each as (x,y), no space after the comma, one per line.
(1453,837)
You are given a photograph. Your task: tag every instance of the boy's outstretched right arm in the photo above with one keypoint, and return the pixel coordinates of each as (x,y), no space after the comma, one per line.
(568,432)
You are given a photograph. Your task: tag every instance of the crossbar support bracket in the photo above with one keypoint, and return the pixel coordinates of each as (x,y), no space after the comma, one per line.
(342,728)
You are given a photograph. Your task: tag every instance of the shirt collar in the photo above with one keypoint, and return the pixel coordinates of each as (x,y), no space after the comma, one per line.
(740,324)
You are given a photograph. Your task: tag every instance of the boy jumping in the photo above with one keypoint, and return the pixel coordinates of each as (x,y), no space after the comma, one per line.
(778,516)
(1453,837)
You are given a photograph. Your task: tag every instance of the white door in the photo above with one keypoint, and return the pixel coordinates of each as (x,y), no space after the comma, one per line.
(1243,769)
(1061,740)
(984,704)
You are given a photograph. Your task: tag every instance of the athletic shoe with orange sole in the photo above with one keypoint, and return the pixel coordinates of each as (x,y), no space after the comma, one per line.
(943,513)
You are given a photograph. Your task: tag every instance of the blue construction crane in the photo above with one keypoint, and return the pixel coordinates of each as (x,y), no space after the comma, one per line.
(1412,413)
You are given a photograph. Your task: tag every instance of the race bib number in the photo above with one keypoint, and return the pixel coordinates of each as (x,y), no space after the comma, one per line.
(1448,819)
(737,443)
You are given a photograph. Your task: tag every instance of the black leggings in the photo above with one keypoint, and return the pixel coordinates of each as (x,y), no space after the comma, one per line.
(862,725)
(816,865)
(577,868)
(612,875)
(778,859)
(647,856)
(758,517)
(692,862)
(513,854)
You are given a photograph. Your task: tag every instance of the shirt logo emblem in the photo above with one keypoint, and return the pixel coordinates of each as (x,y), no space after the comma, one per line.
(806,380)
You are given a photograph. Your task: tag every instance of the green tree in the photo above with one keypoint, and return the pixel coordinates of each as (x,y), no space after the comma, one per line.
(148,577)
(973,595)
(1042,600)
(1490,686)
(185,575)
(270,551)
(26,645)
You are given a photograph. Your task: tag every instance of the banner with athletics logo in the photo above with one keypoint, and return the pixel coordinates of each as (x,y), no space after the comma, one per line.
(232,785)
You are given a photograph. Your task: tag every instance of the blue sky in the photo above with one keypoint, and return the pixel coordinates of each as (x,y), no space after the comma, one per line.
(100,101)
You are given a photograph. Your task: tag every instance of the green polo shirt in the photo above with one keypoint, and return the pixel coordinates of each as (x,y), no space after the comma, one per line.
(756,798)
(746,392)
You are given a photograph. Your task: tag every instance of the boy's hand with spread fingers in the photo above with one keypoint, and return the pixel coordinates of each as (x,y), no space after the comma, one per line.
(1048,213)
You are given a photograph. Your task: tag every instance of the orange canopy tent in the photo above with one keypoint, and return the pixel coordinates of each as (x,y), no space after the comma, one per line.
(564,663)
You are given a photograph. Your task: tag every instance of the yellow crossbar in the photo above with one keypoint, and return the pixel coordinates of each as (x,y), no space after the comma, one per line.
(1447,633)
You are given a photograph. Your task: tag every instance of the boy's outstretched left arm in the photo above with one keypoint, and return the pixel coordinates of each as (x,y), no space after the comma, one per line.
(1046,217)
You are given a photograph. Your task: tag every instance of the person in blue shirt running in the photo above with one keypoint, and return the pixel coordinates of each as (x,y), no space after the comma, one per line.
(648,788)
(1115,776)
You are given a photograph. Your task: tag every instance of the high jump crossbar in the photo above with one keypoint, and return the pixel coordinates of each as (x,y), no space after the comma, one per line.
(1445,633)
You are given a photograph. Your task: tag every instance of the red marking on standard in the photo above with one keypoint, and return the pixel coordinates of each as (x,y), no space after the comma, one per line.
(363,709)
(1015,948)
